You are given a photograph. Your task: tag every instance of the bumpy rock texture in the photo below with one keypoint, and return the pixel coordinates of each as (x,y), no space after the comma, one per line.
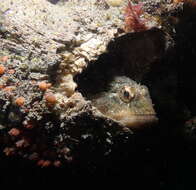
(43,46)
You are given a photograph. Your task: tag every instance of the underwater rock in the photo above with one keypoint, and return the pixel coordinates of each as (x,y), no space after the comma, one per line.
(48,44)
(57,45)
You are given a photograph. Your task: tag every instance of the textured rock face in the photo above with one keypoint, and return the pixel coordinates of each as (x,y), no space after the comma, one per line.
(43,45)
(45,112)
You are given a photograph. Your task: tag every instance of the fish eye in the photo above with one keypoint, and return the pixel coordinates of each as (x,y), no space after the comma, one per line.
(126,94)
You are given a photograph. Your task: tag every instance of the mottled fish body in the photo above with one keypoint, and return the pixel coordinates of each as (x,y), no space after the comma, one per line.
(126,102)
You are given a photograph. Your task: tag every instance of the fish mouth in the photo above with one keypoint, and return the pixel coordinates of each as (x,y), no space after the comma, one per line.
(135,121)
(139,121)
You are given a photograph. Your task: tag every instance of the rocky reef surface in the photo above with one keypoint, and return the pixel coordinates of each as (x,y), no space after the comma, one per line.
(43,46)
(56,56)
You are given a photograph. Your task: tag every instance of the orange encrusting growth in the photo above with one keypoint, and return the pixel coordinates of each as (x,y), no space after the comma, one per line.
(20,101)
(44,86)
(50,98)
(44,163)
(2,69)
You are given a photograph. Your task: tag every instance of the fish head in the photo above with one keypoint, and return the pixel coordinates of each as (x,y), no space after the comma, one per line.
(126,102)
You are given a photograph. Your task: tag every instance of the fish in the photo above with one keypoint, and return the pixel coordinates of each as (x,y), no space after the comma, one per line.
(127,63)
(126,102)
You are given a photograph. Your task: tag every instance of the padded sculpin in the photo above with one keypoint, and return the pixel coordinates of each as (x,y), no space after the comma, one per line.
(126,102)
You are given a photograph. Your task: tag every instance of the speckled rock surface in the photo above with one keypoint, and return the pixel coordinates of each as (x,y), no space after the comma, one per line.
(51,43)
